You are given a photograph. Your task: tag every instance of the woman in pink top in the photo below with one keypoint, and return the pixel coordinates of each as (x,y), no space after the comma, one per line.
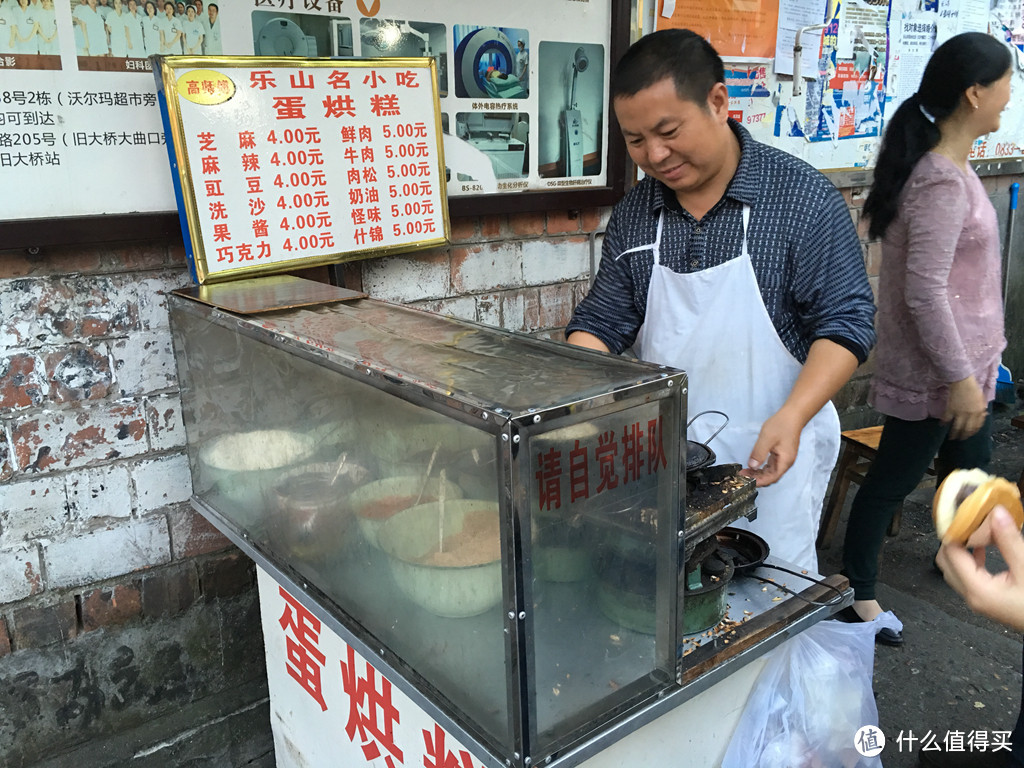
(940,311)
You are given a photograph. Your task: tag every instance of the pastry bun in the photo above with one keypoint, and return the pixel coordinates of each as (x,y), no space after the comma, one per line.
(965,498)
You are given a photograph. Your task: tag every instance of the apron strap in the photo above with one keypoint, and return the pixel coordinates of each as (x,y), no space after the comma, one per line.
(746,223)
(655,246)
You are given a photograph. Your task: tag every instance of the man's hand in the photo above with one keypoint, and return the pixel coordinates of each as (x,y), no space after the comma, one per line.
(775,449)
(998,596)
(827,368)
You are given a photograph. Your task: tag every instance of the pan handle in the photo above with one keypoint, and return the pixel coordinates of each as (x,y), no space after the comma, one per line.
(830,602)
(704,413)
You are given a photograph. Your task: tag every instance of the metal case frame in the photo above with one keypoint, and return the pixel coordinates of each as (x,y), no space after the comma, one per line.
(512,432)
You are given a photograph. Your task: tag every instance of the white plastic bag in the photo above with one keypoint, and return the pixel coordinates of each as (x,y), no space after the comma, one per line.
(810,700)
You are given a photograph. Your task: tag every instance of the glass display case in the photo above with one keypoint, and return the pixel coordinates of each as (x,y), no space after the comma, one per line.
(498,518)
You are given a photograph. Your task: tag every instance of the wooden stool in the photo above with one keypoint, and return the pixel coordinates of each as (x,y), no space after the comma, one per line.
(857,450)
(1018,421)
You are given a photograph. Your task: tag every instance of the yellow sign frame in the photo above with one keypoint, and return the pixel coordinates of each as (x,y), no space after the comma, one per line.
(168,69)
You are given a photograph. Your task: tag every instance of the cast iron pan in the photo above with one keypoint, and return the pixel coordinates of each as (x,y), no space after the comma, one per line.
(699,455)
(749,551)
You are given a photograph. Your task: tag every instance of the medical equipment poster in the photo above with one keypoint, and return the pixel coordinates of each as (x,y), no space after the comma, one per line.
(285,163)
(522,87)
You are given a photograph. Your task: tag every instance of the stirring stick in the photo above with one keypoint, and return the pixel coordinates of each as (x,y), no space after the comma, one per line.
(426,476)
(440,515)
(341,465)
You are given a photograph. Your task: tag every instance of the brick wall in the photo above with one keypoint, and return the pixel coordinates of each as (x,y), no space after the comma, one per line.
(523,272)
(118,604)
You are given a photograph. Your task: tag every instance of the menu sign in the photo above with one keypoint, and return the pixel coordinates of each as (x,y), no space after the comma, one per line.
(286,163)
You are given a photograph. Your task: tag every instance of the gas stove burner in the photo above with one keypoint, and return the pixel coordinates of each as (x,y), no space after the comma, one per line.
(705,588)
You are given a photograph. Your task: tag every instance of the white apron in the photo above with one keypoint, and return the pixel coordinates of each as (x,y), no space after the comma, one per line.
(713,324)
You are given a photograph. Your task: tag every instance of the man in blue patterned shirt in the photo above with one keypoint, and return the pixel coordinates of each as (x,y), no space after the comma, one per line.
(739,264)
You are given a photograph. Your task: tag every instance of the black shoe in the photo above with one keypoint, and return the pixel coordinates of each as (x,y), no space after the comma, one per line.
(885,636)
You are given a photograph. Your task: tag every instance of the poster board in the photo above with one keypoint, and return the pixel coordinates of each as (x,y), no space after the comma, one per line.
(861,59)
(89,124)
(288,163)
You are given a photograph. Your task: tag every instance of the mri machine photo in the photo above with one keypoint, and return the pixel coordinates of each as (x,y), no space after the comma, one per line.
(280,36)
(300,34)
(485,60)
